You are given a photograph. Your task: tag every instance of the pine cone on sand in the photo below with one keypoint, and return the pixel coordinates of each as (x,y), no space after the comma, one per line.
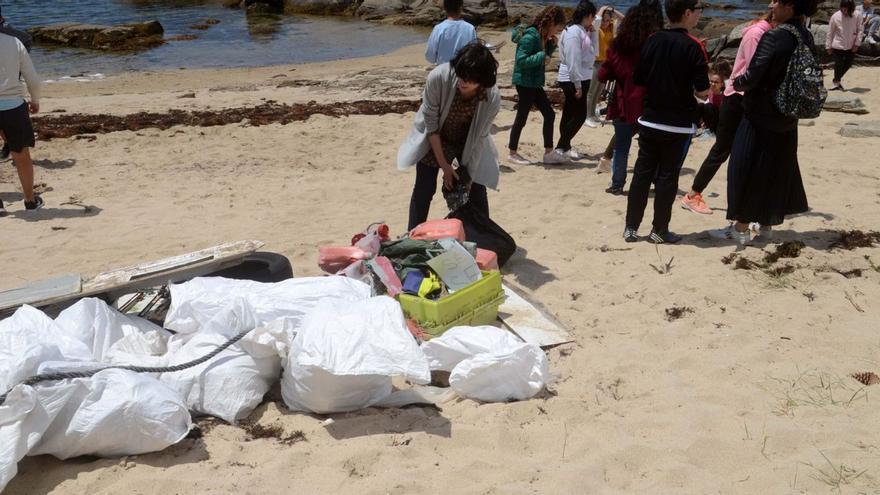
(866,378)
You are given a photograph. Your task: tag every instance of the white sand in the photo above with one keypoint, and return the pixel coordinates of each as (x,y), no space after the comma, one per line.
(748,394)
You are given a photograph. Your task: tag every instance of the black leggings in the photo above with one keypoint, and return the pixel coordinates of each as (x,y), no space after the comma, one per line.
(527,98)
(843,60)
(574,113)
(728,122)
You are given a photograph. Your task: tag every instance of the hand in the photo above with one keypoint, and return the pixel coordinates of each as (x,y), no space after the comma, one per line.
(34,107)
(578,94)
(449,176)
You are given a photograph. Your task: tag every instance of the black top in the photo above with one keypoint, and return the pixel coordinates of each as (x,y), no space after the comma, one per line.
(765,74)
(672,66)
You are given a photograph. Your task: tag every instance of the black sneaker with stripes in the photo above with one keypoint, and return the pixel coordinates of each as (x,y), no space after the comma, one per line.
(664,237)
(630,234)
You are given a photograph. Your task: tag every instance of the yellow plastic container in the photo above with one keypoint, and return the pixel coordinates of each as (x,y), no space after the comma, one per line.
(476,304)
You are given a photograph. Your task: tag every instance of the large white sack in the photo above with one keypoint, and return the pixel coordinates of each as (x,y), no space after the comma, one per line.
(28,338)
(195,302)
(113,413)
(232,384)
(111,335)
(488,364)
(344,355)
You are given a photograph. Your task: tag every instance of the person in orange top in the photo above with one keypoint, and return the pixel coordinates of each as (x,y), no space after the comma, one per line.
(604,30)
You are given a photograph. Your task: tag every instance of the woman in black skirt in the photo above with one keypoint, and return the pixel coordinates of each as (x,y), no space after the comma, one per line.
(764,181)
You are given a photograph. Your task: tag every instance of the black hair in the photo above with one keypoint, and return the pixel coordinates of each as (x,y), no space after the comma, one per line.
(584,9)
(802,7)
(723,69)
(641,21)
(675,9)
(475,63)
(847,7)
(453,6)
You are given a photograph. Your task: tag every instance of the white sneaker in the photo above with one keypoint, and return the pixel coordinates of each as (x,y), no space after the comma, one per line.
(763,231)
(555,157)
(592,122)
(572,154)
(730,233)
(518,159)
(604,166)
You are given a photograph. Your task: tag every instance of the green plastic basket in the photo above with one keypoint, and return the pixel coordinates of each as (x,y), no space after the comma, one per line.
(476,304)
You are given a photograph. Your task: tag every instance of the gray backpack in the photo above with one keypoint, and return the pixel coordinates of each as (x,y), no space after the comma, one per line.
(802,92)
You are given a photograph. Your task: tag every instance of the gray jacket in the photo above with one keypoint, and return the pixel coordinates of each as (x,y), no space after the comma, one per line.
(479,156)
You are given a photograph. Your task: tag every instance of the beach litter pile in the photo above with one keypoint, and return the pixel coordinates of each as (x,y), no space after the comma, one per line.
(97,381)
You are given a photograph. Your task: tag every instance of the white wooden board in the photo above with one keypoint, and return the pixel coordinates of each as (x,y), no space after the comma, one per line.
(529,322)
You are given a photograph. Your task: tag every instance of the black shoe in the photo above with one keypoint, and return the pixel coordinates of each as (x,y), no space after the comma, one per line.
(630,234)
(36,204)
(2,209)
(617,191)
(664,237)
(4,153)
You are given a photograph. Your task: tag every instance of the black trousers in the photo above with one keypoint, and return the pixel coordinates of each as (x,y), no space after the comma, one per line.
(527,98)
(658,162)
(574,113)
(423,193)
(728,121)
(843,60)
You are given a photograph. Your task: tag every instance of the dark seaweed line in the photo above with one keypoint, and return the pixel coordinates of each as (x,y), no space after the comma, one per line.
(65,126)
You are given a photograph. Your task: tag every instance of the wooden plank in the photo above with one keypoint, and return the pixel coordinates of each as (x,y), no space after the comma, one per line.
(63,286)
(120,281)
(532,324)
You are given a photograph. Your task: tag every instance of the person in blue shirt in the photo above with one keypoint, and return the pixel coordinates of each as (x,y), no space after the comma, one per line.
(449,36)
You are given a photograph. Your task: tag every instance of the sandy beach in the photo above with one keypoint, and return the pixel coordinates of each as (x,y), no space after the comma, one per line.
(703,379)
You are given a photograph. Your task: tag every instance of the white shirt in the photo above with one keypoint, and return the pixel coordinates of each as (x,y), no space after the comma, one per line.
(577,53)
(15,61)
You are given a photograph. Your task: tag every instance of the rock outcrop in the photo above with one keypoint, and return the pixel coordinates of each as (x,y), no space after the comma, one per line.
(844,102)
(861,129)
(125,37)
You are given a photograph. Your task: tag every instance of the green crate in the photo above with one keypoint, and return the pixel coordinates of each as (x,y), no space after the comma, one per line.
(476,304)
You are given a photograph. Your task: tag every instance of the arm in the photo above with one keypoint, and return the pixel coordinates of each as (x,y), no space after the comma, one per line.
(34,86)
(761,62)
(431,51)
(701,72)
(529,54)
(833,28)
(572,53)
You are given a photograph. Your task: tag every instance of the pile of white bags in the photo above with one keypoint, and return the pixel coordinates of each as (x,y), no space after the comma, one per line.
(113,413)
(488,364)
(334,346)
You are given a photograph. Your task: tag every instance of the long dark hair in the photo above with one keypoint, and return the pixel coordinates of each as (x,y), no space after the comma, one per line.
(847,7)
(583,9)
(641,21)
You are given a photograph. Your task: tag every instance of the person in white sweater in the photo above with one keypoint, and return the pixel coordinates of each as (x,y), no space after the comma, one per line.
(15,121)
(577,55)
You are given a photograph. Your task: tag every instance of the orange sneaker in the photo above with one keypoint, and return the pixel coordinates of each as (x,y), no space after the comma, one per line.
(696,204)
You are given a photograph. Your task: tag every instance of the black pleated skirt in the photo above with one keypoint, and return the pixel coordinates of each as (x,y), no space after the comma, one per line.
(763,178)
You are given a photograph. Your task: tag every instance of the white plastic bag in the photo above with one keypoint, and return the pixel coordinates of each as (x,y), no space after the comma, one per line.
(488,364)
(195,302)
(28,338)
(233,383)
(111,335)
(344,356)
(113,413)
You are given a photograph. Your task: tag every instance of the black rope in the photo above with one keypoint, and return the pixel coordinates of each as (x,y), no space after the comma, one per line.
(66,375)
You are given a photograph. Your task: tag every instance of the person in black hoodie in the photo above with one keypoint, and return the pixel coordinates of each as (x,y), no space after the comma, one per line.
(673,68)
(763,178)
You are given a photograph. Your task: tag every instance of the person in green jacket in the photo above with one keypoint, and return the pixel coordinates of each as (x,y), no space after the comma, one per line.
(534,47)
